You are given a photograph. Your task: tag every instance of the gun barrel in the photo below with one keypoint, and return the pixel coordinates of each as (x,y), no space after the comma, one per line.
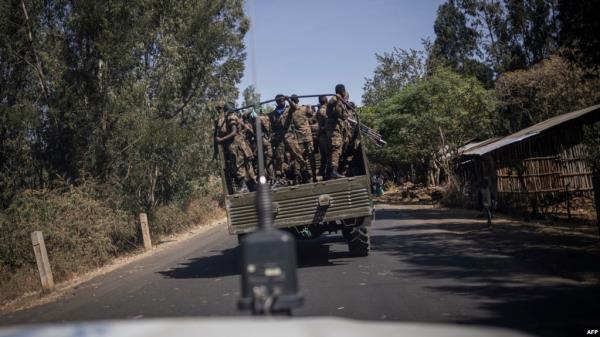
(273,100)
(372,135)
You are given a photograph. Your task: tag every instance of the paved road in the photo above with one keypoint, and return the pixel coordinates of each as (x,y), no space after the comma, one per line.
(427,265)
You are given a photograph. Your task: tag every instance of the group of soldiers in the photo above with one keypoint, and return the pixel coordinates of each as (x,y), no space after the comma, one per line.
(291,136)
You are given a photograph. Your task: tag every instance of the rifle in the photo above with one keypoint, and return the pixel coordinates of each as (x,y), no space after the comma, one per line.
(373,136)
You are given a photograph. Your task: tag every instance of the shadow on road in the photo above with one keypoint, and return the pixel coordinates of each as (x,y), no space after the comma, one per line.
(224,263)
(537,281)
(310,253)
(318,253)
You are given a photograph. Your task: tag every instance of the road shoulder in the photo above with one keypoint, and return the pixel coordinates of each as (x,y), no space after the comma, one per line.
(33,299)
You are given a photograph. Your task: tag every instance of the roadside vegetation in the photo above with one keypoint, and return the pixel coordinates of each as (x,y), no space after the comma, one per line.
(105,112)
(492,69)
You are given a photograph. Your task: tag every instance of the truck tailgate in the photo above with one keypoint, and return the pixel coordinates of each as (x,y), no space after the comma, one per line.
(299,205)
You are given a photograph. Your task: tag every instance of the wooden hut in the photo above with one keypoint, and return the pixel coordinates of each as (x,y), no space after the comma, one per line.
(539,169)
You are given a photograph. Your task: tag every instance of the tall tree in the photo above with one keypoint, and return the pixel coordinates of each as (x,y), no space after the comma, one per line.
(456,45)
(251,97)
(580,31)
(117,91)
(550,88)
(509,34)
(394,71)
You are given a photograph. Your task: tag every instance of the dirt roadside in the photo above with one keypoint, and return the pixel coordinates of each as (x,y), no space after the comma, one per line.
(36,298)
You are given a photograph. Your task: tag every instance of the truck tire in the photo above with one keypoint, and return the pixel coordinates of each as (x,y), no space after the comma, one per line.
(359,242)
(346,233)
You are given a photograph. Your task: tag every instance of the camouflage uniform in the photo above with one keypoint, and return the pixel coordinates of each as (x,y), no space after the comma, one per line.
(265,124)
(300,118)
(292,169)
(351,142)
(335,126)
(322,140)
(239,151)
(282,139)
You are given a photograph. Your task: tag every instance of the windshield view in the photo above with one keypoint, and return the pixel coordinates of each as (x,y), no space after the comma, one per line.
(305,168)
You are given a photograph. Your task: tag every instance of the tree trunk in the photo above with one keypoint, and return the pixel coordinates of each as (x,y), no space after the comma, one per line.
(38,65)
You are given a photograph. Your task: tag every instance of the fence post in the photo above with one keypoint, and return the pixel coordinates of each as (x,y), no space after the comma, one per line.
(145,231)
(43,264)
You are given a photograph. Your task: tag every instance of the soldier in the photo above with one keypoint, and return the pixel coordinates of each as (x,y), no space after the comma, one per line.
(265,125)
(231,134)
(351,140)
(322,141)
(219,123)
(337,112)
(300,117)
(282,138)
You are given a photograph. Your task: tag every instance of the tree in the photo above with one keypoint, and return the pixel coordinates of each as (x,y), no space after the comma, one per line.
(118,92)
(394,71)
(591,138)
(579,32)
(486,38)
(456,46)
(426,122)
(251,97)
(550,88)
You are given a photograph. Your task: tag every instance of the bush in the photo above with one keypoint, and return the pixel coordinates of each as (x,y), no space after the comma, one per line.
(86,226)
(80,232)
(168,220)
(591,138)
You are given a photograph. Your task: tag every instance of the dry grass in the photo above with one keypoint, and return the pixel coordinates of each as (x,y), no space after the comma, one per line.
(81,232)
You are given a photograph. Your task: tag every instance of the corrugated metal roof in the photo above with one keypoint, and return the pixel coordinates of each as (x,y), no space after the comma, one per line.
(473,145)
(531,131)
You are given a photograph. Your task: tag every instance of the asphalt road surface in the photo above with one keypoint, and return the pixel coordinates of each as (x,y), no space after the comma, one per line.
(426,265)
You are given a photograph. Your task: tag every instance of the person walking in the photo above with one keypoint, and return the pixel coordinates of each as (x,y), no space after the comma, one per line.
(486,202)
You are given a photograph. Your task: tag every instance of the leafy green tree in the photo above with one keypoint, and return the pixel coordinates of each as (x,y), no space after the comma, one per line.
(591,139)
(485,38)
(429,120)
(115,91)
(394,71)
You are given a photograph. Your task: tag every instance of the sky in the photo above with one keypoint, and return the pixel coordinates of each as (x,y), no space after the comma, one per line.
(308,46)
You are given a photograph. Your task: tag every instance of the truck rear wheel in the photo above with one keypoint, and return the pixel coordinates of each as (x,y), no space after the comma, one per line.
(358,239)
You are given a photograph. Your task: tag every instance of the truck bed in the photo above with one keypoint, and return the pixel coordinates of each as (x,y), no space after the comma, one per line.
(299,205)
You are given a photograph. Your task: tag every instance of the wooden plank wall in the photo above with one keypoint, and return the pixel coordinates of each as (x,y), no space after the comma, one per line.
(543,170)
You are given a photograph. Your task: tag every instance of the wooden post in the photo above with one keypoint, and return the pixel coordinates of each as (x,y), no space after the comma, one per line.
(145,231)
(43,264)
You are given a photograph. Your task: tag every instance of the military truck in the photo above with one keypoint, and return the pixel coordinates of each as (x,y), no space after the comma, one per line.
(308,210)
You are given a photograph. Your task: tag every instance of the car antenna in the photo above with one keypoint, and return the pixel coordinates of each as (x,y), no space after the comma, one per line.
(269,275)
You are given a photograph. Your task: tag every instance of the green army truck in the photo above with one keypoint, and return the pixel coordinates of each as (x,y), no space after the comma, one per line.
(308,210)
